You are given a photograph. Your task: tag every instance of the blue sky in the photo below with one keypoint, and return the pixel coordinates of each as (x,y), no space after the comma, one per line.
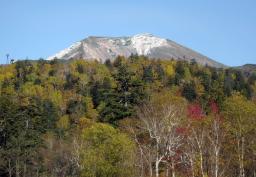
(224,30)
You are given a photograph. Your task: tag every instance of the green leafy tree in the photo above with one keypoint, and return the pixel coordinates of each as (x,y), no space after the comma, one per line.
(241,115)
(23,121)
(107,152)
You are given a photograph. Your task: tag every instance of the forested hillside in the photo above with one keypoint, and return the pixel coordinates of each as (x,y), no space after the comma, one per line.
(132,117)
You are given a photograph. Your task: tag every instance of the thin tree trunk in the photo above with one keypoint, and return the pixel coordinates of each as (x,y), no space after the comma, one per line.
(167,170)
(201,164)
(150,167)
(141,163)
(173,169)
(17,167)
(9,168)
(157,168)
(217,147)
(157,159)
(24,170)
(240,148)
(199,141)
(37,172)
(216,164)
(242,159)
(150,171)
(192,167)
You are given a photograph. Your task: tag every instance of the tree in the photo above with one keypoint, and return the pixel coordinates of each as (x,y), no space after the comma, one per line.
(23,69)
(240,114)
(71,81)
(148,74)
(106,153)
(108,63)
(76,109)
(189,91)
(160,120)
(228,83)
(24,120)
(120,101)
(196,137)
(57,157)
(239,82)
(216,136)
(119,61)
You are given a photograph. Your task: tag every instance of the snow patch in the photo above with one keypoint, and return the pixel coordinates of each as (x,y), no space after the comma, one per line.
(143,43)
(64,52)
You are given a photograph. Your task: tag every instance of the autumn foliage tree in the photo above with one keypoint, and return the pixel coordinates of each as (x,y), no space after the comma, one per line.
(69,118)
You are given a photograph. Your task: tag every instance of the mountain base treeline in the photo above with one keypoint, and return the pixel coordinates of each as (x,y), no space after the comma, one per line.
(131,117)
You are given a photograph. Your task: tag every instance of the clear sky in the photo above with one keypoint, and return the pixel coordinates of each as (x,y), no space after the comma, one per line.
(224,30)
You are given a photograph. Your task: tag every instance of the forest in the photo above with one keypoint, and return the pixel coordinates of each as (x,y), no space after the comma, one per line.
(131,117)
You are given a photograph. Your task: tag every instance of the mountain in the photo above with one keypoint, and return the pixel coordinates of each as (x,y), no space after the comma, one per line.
(102,48)
(247,68)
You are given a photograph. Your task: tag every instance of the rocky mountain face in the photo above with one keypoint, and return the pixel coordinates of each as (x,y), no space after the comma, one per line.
(103,48)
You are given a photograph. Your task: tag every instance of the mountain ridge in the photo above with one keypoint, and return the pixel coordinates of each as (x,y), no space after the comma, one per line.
(102,48)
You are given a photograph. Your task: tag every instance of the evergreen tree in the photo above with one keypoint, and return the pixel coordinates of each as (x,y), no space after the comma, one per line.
(189,91)
(160,72)
(119,102)
(148,74)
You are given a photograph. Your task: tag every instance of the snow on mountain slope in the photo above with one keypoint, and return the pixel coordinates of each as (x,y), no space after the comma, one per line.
(143,43)
(66,51)
(102,48)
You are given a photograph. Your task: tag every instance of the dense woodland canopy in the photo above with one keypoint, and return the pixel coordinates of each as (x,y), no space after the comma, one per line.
(132,117)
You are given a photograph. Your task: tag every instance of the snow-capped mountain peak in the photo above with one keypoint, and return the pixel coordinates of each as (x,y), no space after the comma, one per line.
(103,48)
